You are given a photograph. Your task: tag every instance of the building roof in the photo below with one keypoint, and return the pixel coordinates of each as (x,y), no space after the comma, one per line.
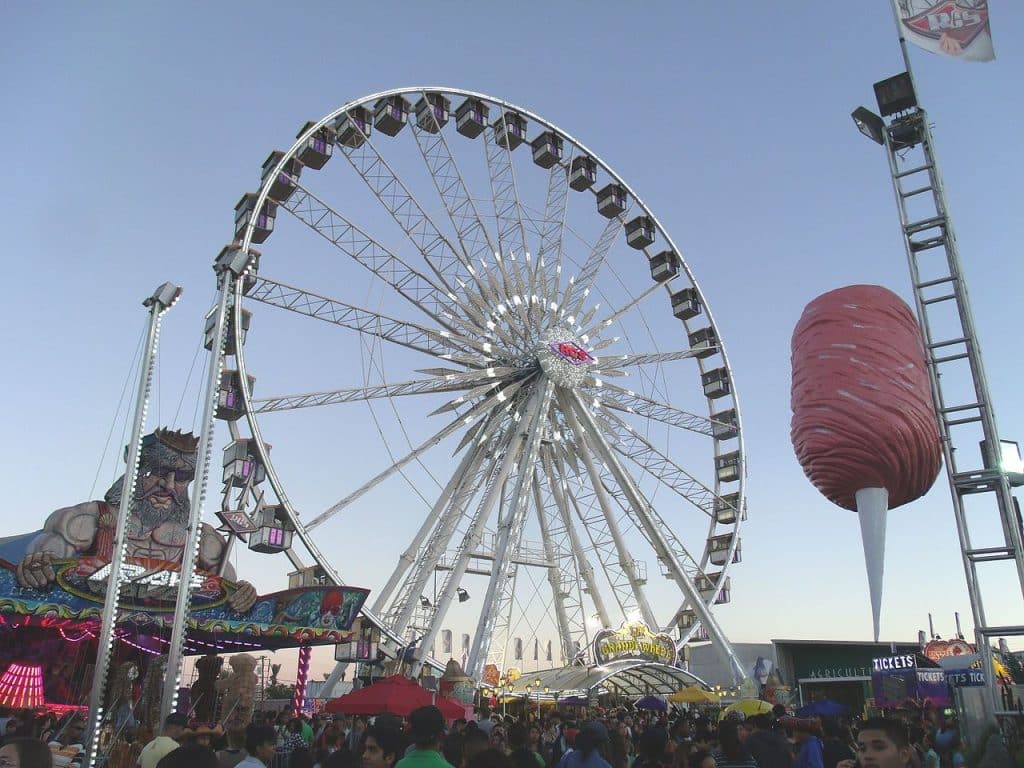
(626,677)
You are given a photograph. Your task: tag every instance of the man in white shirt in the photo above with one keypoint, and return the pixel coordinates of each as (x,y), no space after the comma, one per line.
(166,742)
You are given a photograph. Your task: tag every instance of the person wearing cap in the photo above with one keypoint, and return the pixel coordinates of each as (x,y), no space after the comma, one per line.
(591,740)
(426,728)
(166,742)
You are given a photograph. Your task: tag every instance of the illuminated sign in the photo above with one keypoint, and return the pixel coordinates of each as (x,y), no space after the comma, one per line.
(634,640)
(941,649)
(571,352)
(886,663)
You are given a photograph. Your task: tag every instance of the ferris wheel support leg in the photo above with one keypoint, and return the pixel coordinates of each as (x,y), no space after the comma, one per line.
(472,537)
(586,570)
(626,560)
(432,521)
(582,564)
(435,548)
(668,557)
(510,528)
(159,303)
(554,573)
(466,469)
(462,487)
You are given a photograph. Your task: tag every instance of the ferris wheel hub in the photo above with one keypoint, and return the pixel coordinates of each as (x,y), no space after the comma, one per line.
(563,358)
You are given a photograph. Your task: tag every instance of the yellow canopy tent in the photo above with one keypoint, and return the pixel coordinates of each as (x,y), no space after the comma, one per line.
(693,695)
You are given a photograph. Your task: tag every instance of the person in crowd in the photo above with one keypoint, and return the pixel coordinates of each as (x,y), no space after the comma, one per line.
(731,752)
(342,758)
(533,741)
(931,757)
(520,753)
(810,752)
(382,746)
(553,739)
(300,757)
(25,753)
(355,734)
(881,743)
(588,748)
(189,756)
(499,738)
(426,728)
(490,758)
(476,741)
(682,733)
(260,746)
(47,727)
(836,745)
(293,738)
(234,752)
(766,745)
(651,749)
(167,741)
(454,747)
(700,758)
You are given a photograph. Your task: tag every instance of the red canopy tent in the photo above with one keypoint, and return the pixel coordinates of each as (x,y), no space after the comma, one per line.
(395,695)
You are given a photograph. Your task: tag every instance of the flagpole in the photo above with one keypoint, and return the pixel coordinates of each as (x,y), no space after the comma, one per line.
(903,43)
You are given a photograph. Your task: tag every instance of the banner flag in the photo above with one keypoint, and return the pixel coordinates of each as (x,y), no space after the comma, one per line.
(955,28)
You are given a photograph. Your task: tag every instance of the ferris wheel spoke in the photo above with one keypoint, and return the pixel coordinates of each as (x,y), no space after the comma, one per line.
(625,560)
(451,187)
(647,358)
(401,332)
(620,399)
(579,286)
(443,257)
(546,287)
(504,193)
(432,299)
(509,221)
(595,332)
(356,394)
(633,446)
(380,477)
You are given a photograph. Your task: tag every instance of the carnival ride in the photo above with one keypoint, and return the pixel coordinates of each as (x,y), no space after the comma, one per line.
(534,282)
(518,282)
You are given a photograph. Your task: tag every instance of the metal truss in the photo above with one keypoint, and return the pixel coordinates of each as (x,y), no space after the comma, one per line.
(432,299)
(401,332)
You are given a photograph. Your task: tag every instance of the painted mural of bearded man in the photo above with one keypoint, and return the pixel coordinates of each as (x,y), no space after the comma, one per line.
(158,521)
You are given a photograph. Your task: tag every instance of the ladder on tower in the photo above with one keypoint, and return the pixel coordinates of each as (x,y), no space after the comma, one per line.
(970,439)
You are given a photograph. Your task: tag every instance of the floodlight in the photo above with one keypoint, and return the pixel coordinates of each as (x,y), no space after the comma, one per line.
(165,297)
(895,94)
(463,594)
(869,124)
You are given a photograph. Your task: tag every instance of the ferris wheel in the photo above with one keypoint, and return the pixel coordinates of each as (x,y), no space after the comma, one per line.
(502,365)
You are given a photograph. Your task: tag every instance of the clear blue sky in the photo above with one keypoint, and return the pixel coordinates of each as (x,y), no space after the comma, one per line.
(130,131)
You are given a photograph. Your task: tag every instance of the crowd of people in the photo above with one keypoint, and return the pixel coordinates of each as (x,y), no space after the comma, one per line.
(620,739)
